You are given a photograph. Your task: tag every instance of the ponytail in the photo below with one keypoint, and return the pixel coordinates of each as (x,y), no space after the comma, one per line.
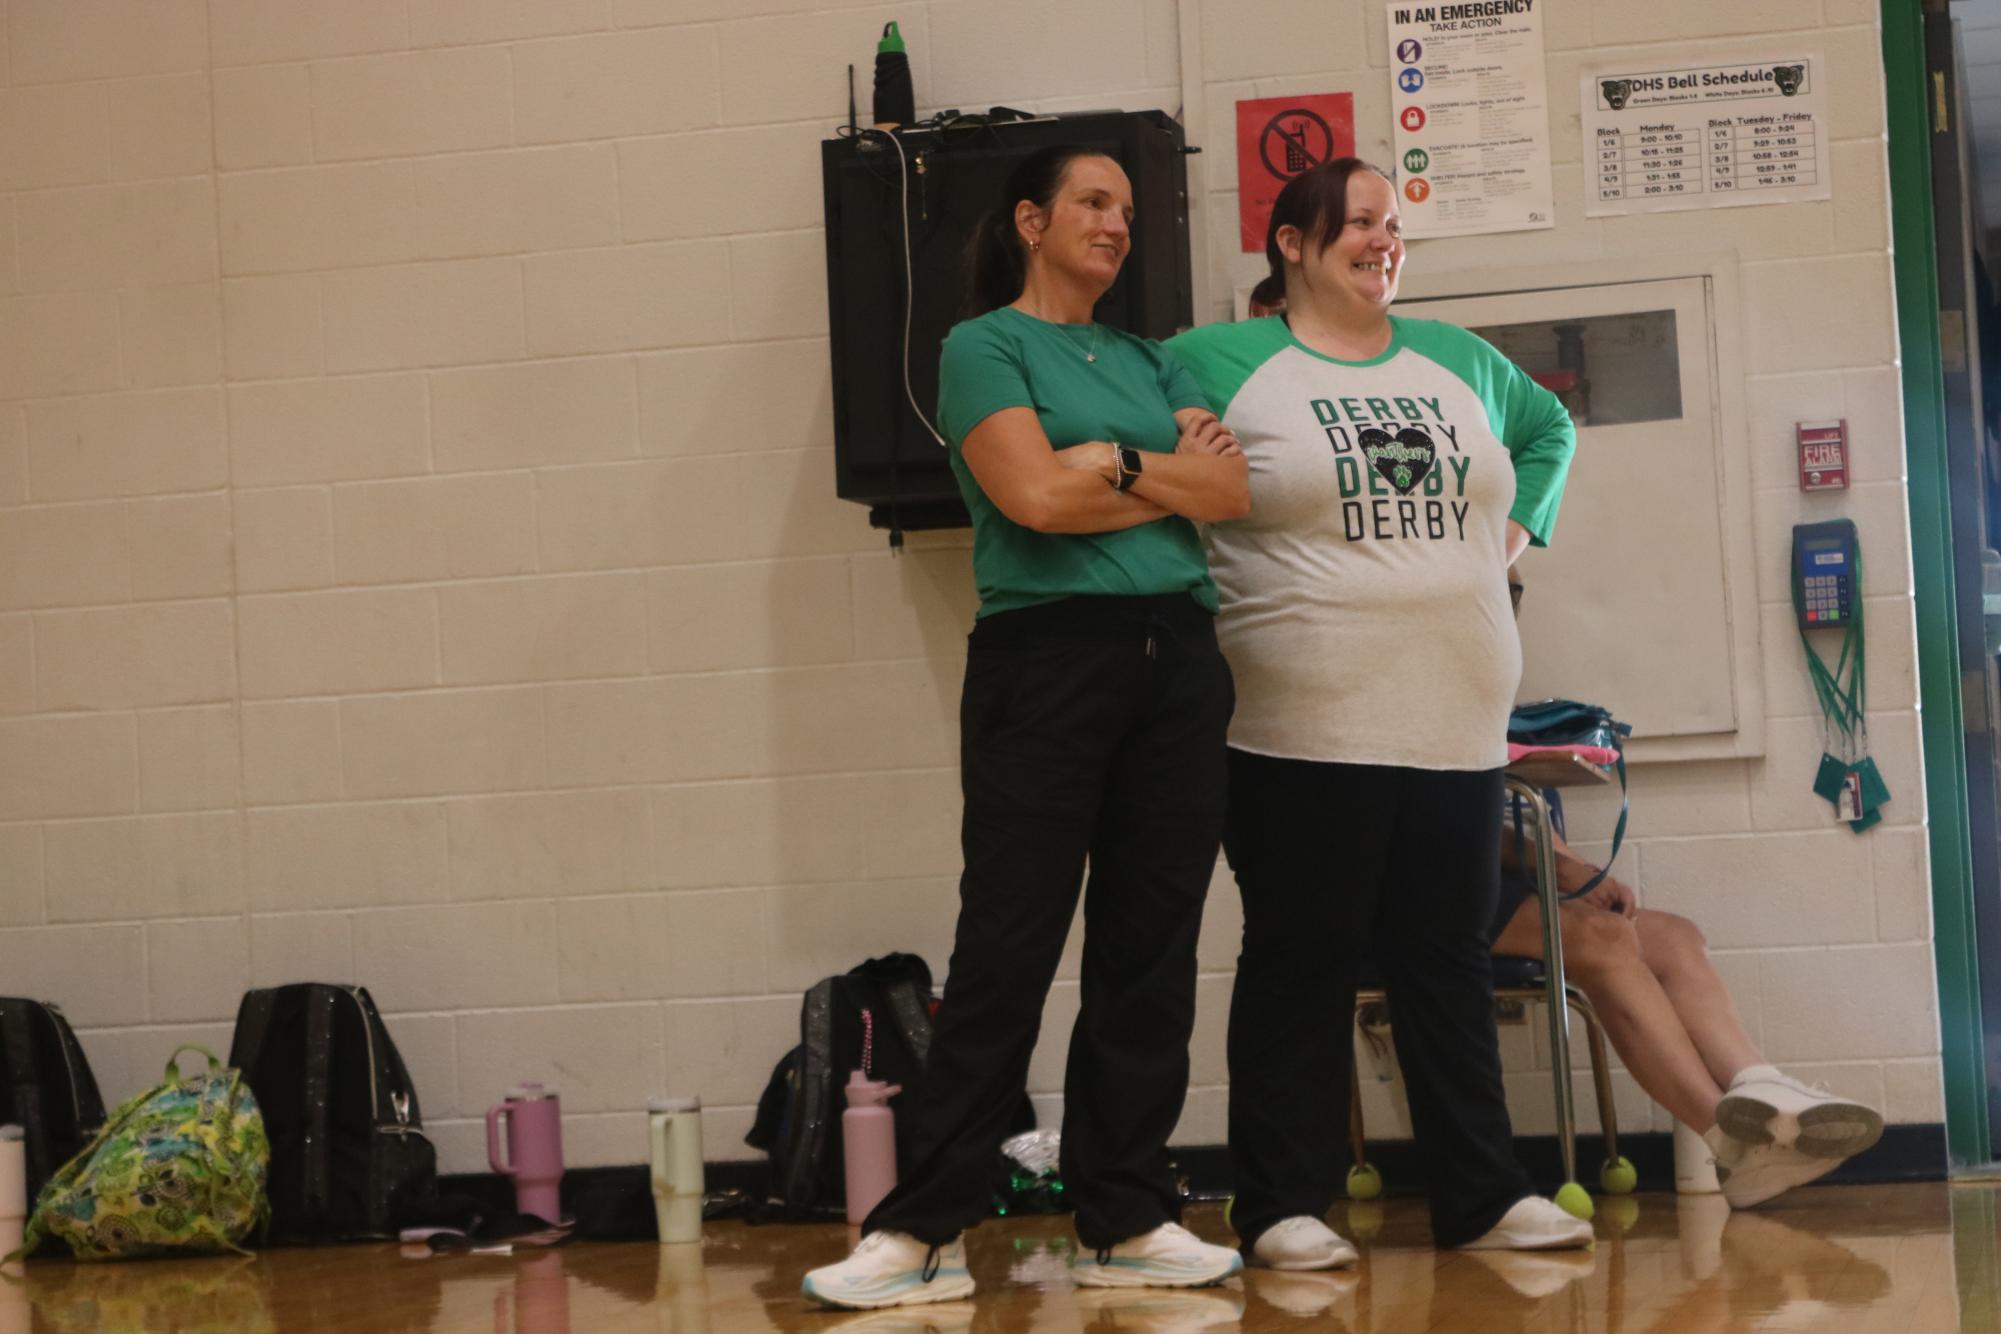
(996,258)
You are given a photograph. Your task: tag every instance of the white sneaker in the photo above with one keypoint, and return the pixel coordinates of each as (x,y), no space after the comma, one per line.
(1301,1243)
(1534,1224)
(1766,1107)
(1754,1173)
(892,1269)
(1170,1256)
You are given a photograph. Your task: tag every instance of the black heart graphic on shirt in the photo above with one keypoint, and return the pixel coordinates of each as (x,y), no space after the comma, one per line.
(1404,459)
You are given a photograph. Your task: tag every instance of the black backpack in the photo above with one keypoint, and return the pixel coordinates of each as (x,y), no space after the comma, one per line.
(799,1117)
(349,1158)
(46,1087)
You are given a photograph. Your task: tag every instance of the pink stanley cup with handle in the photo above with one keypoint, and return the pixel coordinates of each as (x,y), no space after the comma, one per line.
(534,1156)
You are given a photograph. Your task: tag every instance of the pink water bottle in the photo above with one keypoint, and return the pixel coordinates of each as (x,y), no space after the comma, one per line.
(868,1133)
(534,1156)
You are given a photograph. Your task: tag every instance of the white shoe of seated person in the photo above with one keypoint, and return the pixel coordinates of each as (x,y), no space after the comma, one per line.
(1301,1242)
(1764,1106)
(1753,1174)
(1170,1256)
(892,1269)
(1534,1224)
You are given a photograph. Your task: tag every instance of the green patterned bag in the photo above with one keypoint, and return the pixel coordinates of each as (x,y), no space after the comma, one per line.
(176,1170)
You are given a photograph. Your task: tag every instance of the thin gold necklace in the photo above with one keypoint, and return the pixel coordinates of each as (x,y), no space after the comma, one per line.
(1090,350)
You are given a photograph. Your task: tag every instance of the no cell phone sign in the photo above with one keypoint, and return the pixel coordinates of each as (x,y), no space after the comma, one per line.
(1277,139)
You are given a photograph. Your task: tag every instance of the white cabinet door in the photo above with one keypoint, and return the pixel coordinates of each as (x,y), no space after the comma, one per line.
(1631,604)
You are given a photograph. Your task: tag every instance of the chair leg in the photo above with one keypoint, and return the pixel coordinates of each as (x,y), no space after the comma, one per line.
(1617,1176)
(1364,1181)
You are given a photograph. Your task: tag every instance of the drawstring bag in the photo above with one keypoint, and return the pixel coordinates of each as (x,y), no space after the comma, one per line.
(177,1170)
(1566,722)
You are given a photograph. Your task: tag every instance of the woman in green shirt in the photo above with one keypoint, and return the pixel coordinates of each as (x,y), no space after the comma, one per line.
(1091,726)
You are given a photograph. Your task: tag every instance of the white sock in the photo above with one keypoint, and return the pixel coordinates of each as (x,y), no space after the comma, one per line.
(1751,1072)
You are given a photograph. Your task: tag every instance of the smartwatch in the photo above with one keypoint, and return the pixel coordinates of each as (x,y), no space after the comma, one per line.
(1129,467)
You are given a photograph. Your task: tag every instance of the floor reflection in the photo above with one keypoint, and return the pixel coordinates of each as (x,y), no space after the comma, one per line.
(1905,1259)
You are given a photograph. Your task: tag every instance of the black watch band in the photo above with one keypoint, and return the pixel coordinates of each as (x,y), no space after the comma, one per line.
(1129,467)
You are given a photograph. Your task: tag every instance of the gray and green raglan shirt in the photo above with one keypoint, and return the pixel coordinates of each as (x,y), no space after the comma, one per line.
(1364,600)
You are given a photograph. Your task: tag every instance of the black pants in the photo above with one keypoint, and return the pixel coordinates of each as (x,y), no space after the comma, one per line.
(1335,860)
(1091,727)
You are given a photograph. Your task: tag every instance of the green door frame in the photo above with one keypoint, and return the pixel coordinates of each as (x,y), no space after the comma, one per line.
(1906,99)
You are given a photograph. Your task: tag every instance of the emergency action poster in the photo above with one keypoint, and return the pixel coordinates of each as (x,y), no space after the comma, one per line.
(1277,139)
(1710,131)
(1472,117)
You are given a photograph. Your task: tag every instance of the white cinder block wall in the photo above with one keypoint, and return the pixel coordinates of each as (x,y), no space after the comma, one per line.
(419,562)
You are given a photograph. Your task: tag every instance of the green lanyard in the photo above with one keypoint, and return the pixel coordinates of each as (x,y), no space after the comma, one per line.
(1847,776)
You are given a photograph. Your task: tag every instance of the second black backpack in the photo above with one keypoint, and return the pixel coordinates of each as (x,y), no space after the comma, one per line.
(799,1117)
(46,1087)
(349,1158)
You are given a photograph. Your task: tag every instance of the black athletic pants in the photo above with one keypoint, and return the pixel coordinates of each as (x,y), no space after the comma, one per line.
(1335,860)
(1091,727)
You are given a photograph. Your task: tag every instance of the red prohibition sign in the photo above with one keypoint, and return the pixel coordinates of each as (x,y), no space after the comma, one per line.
(1412,119)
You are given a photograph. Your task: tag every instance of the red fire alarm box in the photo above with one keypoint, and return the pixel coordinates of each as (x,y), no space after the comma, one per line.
(1823,455)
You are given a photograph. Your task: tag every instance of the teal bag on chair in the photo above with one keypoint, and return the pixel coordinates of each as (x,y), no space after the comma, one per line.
(177,1170)
(1566,722)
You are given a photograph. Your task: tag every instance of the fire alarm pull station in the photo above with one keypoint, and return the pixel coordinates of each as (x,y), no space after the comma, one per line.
(1823,455)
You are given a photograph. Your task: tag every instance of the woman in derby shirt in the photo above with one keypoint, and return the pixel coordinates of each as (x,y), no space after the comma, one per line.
(1398,467)
(1092,724)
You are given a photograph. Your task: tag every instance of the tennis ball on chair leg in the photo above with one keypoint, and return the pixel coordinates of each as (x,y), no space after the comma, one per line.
(1573,1200)
(1619,1176)
(1364,1182)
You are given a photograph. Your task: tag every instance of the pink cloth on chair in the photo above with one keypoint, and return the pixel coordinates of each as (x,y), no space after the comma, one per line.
(1599,755)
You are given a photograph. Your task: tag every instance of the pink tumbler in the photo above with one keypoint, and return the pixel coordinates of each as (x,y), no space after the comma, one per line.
(868,1134)
(534,1148)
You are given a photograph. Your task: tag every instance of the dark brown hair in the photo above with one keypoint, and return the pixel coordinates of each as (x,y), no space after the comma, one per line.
(996,259)
(1316,202)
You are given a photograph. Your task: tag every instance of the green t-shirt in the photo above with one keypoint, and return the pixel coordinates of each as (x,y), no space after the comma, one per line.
(1005,359)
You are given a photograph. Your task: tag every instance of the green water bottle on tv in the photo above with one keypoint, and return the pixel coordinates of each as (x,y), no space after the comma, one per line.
(895,98)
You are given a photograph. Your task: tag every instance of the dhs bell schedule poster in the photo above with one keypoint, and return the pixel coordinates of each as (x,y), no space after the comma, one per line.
(1713,131)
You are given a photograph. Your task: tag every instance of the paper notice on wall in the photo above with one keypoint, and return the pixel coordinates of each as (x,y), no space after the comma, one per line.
(1472,117)
(1708,131)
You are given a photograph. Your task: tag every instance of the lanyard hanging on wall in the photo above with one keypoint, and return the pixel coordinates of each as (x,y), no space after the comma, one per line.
(1847,776)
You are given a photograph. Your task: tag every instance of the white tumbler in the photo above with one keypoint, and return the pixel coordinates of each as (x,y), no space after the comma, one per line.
(1694,1163)
(674,1126)
(13,1188)
(16,1312)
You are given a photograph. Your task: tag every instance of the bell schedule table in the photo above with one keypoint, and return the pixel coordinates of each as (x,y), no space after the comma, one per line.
(1711,154)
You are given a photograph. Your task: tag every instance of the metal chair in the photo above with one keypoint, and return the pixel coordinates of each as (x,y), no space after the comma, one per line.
(1524,980)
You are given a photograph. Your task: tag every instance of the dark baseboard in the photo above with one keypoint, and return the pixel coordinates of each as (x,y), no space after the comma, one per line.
(1905,1153)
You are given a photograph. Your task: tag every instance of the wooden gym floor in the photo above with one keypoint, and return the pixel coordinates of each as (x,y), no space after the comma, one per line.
(1905,1259)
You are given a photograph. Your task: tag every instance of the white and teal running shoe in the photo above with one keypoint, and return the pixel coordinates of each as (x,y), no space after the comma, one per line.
(892,1269)
(1170,1256)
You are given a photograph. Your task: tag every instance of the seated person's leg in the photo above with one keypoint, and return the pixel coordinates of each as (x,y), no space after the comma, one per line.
(1676,954)
(1602,956)
(1663,1004)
